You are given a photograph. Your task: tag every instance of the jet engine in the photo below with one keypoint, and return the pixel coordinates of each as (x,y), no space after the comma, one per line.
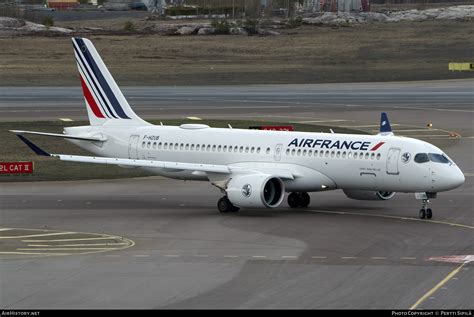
(368,195)
(256,191)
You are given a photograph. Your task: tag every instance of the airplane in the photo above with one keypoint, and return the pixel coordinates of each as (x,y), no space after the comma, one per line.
(252,168)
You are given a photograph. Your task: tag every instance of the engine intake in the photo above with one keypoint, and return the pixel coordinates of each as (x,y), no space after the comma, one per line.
(368,195)
(256,191)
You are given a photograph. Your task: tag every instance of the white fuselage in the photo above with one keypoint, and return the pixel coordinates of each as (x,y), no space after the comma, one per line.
(321,161)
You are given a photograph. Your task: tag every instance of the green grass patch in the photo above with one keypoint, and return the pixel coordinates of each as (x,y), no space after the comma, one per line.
(51,169)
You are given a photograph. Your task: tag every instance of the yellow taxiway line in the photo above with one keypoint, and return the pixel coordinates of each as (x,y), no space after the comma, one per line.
(438,286)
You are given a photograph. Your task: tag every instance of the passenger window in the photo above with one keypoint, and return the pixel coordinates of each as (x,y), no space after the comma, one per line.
(349,155)
(246,149)
(236,149)
(268,150)
(214,148)
(258,150)
(208,148)
(378,156)
(219,148)
(338,154)
(321,153)
(344,154)
(154,145)
(421,158)
(241,149)
(187,147)
(438,158)
(148,145)
(366,156)
(224,148)
(192,147)
(252,150)
(143,144)
(299,152)
(230,148)
(372,156)
(198,147)
(287,151)
(355,155)
(304,152)
(159,145)
(310,152)
(181,146)
(332,153)
(165,146)
(176,146)
(293,152)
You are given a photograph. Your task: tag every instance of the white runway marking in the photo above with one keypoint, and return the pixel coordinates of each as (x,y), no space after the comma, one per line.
(75,239)
(39,235)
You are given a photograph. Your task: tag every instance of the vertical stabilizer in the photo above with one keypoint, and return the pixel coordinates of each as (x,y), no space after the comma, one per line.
(104,100)
(385,128)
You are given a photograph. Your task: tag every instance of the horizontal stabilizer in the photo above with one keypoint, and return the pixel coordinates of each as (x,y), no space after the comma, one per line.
(64,136)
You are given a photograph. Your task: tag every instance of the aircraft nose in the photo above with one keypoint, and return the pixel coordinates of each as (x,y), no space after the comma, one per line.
(457,178)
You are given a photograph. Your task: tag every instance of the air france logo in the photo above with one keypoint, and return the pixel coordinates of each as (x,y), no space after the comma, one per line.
(247,190)
(384,123)
(331,144)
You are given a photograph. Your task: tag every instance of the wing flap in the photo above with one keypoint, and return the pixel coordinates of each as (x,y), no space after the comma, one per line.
(144,163)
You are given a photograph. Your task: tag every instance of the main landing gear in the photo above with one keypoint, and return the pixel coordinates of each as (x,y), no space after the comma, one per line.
(224,205)
(299,199)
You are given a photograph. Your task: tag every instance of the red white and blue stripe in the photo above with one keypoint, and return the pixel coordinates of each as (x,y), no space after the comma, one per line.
(97,91)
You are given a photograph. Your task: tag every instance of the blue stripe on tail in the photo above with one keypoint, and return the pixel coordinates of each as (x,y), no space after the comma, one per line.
(103,83)
(104,101)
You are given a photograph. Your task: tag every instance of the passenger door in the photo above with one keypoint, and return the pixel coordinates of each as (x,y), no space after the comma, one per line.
(392,161)
(133,147)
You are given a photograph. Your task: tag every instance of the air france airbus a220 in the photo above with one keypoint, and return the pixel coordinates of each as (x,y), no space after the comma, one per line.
(252,168)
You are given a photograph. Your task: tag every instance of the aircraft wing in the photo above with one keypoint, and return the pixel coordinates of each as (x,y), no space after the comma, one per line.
(208,168)
(128,162)
(57,135)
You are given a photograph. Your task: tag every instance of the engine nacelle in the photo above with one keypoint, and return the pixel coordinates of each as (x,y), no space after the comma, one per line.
(256,191)
(368,195)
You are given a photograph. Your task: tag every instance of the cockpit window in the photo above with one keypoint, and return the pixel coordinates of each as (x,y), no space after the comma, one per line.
(421,158)
(438,158)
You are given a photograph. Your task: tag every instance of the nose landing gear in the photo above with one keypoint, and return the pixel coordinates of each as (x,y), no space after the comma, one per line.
(425,212)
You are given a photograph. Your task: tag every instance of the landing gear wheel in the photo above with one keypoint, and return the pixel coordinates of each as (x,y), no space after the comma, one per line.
(224,205)
(422,214)
(429,213)
(304,200)
(293,200)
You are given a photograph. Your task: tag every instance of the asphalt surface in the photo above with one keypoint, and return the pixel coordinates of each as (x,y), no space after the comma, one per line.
(158,243)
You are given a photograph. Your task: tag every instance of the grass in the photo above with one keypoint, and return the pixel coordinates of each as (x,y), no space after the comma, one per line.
(51,169)
(306,54)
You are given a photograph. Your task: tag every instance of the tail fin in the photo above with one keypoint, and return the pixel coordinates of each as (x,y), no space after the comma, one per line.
(385,128)
(105,102)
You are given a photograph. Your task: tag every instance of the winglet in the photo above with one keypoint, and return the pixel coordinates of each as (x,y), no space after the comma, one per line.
(33,146)
(385,127)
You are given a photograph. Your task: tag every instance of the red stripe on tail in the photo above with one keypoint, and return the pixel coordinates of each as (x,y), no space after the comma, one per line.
(90,100)
(377,146)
